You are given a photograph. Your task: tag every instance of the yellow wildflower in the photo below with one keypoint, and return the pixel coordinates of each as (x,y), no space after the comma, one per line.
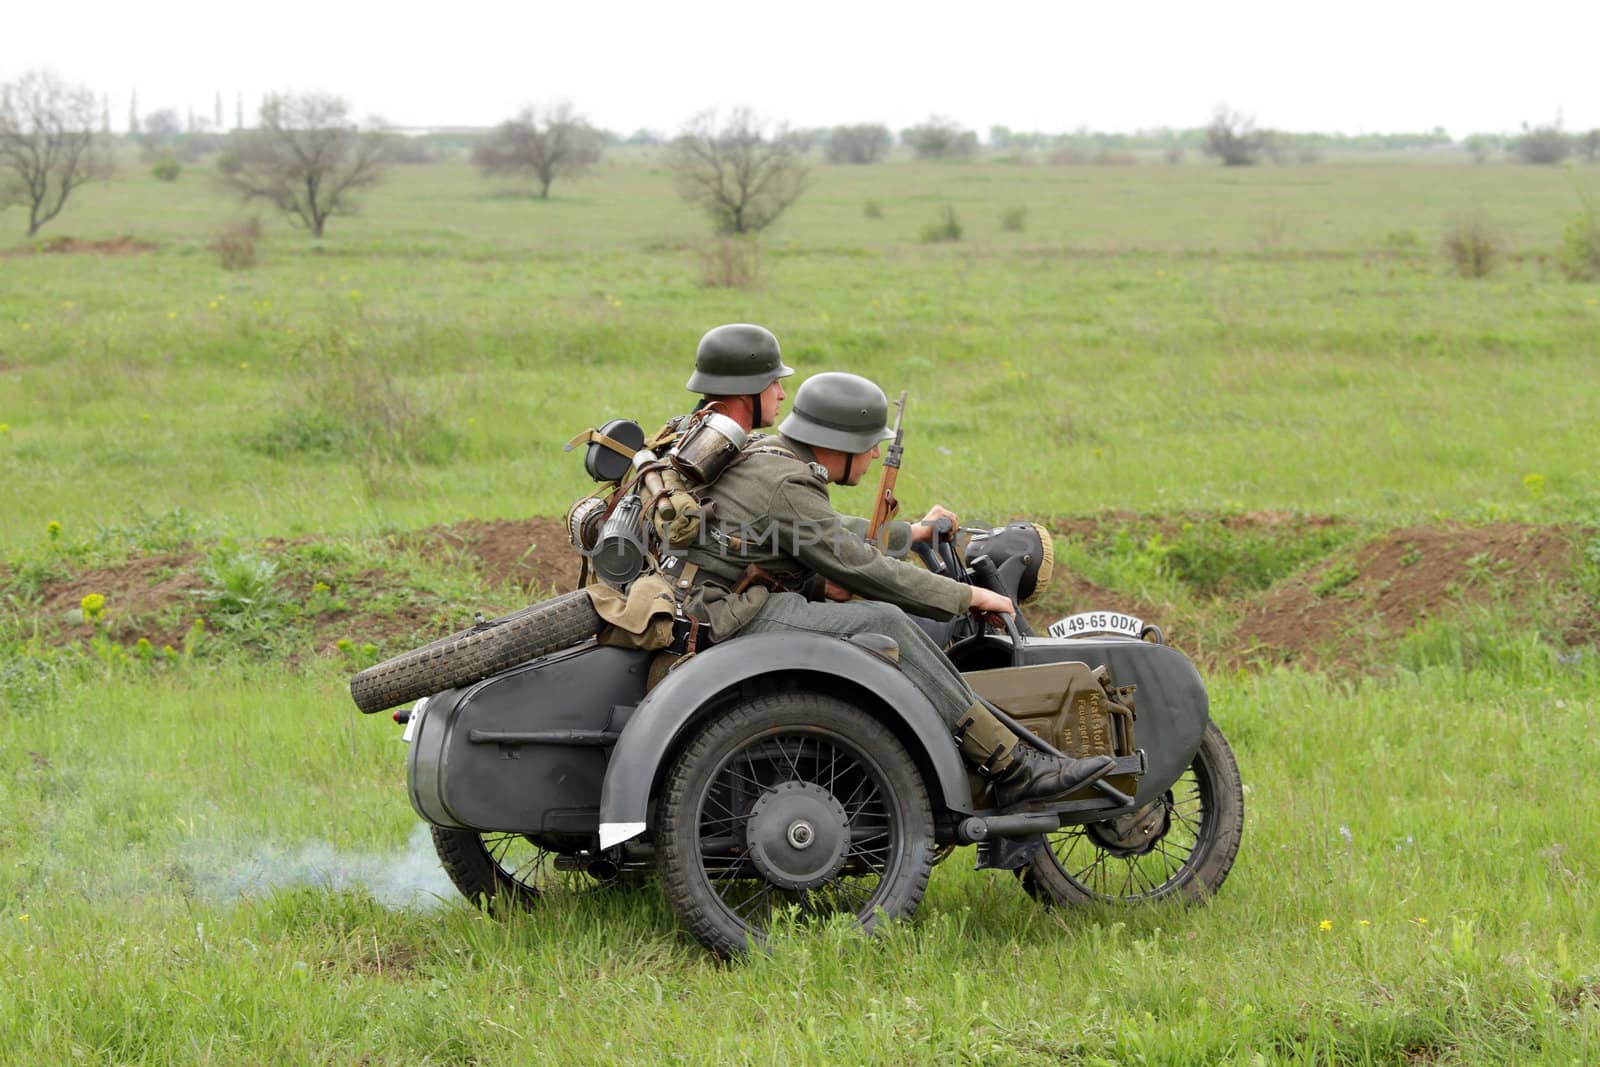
(53,528)
(93,605)
(1325,924)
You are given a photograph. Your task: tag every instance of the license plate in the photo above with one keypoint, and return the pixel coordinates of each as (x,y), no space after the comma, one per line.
(1097,622)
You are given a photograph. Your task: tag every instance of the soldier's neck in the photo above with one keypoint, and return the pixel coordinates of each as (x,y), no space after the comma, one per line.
(736,408)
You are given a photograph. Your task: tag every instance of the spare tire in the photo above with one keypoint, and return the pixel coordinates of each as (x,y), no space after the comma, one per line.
(471,655)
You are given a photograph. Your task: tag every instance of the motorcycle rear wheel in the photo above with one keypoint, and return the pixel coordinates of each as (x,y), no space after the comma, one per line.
(1200,821)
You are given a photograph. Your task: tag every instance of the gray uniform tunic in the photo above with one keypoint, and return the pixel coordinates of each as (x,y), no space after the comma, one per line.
(771,508)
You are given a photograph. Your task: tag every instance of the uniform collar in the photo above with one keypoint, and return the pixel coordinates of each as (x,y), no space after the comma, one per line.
(801,450)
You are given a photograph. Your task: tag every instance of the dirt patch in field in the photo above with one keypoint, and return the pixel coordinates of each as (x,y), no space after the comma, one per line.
(1333,612)
(141,587)
(379,628)
(72,246)
(531,555)
(1336,611)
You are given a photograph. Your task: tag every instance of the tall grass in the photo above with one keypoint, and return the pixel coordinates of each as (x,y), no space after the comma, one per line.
(207,859)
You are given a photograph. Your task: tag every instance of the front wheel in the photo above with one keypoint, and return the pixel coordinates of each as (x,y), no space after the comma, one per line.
(1179,846)
(793,801)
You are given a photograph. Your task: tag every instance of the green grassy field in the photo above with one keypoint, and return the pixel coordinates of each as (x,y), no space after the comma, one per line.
(208,857)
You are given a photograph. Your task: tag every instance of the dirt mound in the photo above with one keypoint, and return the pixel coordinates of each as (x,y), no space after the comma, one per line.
(531,555)
(141,587)
(1336,611)
(68,246)
(1278,523)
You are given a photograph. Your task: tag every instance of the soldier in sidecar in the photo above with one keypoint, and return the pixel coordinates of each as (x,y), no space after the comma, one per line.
(820,754)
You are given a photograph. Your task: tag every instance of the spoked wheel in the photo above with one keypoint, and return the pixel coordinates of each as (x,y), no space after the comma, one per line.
(798,802)
(492,867)
(1181,845)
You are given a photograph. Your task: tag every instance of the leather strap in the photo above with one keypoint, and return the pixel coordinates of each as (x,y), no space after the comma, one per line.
(603,441)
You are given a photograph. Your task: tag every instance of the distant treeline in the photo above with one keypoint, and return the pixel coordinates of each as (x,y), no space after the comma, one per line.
(871,143)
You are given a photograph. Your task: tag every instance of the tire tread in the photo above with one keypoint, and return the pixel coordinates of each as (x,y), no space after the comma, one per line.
(475,654)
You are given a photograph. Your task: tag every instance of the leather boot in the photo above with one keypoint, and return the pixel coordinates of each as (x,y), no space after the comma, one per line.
(1019,772)
(1033,776)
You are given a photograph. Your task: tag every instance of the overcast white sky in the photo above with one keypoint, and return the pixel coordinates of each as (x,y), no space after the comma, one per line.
(1338,66)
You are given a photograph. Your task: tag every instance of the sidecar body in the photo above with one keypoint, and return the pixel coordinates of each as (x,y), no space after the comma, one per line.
(572,747)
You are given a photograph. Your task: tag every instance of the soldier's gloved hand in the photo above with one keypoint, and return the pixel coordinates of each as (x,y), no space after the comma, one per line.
(923,529)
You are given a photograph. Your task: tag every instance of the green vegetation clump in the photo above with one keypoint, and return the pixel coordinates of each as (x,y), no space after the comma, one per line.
(166,170)
(240,591)
(1212,558)
(348,401)
(1335,578)
(1014,219)
(1473,246)
(1580,247)
(236,245)
(947,228)
(1207,556)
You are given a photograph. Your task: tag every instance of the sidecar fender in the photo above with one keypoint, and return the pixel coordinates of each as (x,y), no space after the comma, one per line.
(660,726)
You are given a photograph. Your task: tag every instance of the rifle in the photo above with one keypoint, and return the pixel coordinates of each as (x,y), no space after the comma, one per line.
(887,506)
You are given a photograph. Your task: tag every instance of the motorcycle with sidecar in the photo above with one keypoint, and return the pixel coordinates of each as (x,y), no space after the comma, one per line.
(766,775)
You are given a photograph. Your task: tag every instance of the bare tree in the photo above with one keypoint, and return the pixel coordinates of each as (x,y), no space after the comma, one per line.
(740,173)
(941,138)
(306,158)
(559,144)
(48,145)
(1233,138)
(1543,144)
(865,143)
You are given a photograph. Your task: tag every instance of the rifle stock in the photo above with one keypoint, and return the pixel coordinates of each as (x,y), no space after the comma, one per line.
(886,506)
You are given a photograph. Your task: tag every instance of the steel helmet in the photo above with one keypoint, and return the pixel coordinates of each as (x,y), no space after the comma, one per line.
(839,411)
(738,359)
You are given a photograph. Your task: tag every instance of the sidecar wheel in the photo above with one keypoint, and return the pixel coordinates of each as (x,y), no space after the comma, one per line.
(792,801)
(491,869)
(471,655)
(1195,827)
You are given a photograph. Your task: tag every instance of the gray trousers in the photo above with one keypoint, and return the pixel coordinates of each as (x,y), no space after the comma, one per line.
(920,658)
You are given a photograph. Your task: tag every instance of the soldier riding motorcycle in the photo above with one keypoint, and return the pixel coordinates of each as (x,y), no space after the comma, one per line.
(702,716)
